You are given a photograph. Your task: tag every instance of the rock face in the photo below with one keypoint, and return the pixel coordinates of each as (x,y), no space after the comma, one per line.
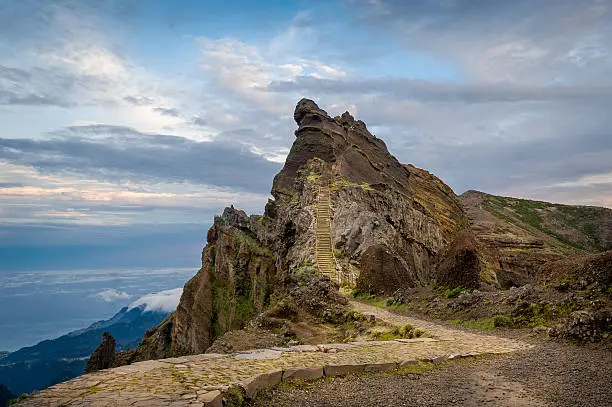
(393,227)
(459,263)
(389,220)
(233,285)
(103,356)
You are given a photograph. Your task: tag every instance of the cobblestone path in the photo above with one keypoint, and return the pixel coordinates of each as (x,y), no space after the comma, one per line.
(204,380)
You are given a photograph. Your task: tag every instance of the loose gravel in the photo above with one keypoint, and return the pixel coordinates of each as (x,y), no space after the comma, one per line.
(550,374)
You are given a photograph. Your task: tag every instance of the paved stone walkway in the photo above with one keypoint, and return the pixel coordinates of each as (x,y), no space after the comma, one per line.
(203,380)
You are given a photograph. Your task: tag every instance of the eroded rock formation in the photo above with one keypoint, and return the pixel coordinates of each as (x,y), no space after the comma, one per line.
(103,356)
(389,220)
(393,227)
(233,285)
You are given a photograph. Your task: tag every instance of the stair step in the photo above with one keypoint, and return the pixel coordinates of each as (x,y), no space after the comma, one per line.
(324,249)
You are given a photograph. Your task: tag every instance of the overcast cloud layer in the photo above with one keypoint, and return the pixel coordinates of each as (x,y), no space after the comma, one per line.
(128,114)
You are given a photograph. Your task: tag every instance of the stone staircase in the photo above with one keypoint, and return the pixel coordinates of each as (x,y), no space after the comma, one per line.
(325,254)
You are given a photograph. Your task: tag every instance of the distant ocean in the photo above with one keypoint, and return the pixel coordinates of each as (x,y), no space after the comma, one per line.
(38,305)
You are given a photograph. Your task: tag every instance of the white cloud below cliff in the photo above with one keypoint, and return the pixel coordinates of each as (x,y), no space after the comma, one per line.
(111,295)
(165,301)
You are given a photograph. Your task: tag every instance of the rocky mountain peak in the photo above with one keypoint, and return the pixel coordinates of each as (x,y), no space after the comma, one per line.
(345,211)
(388,221)
(343,148)
(103,356)
(306,107)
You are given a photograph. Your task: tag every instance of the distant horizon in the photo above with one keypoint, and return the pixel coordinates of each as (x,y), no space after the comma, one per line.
(66,300)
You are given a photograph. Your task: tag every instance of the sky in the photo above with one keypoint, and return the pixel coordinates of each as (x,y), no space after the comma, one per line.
(125,126)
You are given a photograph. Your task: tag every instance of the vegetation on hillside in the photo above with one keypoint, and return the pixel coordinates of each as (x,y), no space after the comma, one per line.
(581,227)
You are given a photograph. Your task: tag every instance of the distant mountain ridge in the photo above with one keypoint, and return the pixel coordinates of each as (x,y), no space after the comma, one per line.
(517,236)
(56,360)
(582,227)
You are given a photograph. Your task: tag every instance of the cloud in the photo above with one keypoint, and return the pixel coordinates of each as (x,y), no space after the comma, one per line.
(7,185)
(138,100)
(519,41)
(60,199)
(165,301)
(198,121)
(173,112)
(117,152)
(111,295)
(429,91)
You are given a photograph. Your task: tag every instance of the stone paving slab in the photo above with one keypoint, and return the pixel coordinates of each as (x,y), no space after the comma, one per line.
(203,380)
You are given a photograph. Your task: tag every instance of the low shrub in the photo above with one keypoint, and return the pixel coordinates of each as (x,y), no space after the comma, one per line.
(502,320)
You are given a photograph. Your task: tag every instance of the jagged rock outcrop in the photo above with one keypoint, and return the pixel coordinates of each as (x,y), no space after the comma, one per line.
(389,220)
(586,326)
(233,285)
(393,226)
(155,344)
(103,356)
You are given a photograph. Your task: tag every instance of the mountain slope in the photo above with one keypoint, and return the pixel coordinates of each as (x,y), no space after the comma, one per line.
(519,235)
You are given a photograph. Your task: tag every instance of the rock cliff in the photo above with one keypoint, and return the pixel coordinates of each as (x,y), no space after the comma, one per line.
(393,226)
(233,285)
(103,356)
(389,221)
